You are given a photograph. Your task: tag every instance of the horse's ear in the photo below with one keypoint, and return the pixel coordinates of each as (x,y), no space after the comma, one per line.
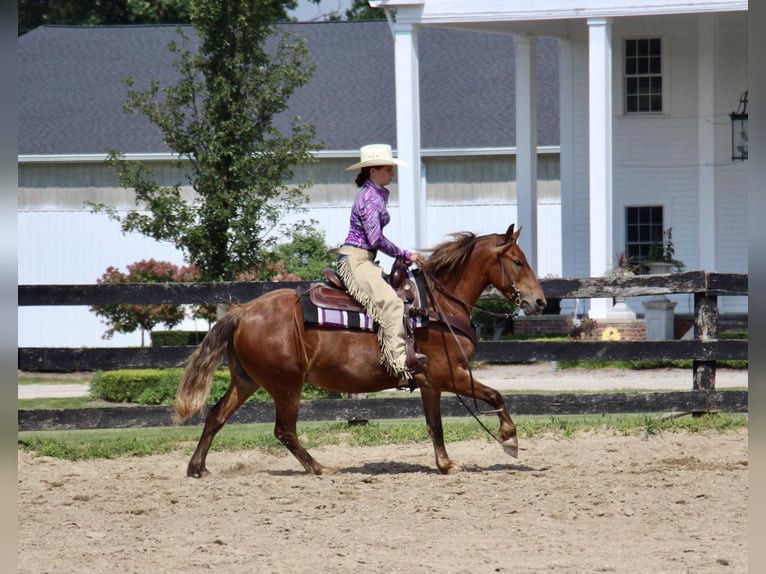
(510,235)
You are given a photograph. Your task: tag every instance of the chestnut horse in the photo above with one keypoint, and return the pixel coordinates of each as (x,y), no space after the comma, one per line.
(268,346)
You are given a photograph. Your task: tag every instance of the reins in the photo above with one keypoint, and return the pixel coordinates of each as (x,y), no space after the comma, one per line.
(429,277)
(443,317)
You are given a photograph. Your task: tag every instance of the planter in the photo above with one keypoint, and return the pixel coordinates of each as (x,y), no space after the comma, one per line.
(659,267)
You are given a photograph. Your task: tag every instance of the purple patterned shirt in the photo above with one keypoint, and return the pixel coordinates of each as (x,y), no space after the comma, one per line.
(369,215)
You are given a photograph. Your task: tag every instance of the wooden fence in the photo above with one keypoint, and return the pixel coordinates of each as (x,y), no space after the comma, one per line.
(704,351)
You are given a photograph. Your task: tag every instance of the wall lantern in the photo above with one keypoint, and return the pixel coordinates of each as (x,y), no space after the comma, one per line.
(739,130)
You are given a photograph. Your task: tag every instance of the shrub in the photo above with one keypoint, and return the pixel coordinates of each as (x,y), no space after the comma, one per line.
(177,338)
(122,386)
(158,387)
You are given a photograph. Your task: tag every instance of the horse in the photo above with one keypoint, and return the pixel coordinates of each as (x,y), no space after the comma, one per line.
(268,346)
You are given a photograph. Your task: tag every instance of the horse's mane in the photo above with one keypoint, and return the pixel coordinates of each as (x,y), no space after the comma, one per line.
(451,257)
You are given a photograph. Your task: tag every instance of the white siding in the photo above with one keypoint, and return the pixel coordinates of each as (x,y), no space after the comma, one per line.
(61,242)
(655,162)
(56,247)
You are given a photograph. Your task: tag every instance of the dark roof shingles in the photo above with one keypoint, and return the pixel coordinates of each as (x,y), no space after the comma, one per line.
(71,87)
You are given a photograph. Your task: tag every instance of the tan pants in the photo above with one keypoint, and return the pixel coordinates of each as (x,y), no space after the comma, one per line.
(364,281)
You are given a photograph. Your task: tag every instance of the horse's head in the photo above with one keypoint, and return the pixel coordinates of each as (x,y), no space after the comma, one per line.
(512,275)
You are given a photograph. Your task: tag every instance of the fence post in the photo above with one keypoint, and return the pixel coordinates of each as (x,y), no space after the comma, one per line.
(705,329)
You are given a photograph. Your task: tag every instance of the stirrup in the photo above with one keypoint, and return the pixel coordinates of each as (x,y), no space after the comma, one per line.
(416,362)
(404,383)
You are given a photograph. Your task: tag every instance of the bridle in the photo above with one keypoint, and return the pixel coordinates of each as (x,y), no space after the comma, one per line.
(515,290)
(514,297)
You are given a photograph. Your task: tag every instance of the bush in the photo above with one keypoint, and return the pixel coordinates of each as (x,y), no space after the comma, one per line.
(158,387)
(122,386)
(493,318)
(177,338)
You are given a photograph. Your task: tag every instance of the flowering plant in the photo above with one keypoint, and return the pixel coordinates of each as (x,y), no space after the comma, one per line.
(663,251)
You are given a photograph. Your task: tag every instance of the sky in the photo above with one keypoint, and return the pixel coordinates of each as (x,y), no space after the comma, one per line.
(308,11)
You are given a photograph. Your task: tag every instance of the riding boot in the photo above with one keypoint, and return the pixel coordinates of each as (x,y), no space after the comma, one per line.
(416,362)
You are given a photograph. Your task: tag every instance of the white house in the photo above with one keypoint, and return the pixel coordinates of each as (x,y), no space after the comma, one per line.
(473,89)
(645,89)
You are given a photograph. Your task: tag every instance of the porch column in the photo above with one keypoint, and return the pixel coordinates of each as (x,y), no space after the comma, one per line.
(600,153)
(707,48)
(412,230)
(566,159)
(526,144)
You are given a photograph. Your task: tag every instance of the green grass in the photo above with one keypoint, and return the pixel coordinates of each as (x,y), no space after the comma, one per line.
(95,444)
(62,403)
(639,365)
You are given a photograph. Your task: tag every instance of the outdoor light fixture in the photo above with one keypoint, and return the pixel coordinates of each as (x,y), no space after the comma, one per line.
(739,130)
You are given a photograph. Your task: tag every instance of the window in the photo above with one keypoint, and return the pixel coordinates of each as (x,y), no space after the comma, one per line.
(643,75)
(644,226)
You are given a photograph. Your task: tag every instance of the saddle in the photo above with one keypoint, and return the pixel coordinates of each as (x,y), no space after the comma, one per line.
(328,304)
(333,300)
(332,293)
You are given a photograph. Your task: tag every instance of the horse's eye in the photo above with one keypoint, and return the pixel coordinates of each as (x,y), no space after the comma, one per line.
(517,262)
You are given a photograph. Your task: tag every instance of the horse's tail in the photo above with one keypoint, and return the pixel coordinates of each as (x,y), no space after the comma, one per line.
(194,387)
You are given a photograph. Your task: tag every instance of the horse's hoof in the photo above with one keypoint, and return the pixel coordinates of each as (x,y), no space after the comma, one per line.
(196,473)
(326,470)
(511,447)
(451,468)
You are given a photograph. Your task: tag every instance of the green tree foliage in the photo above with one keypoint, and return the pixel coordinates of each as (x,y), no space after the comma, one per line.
(34,13)
(127,318)
(219,117)
(306,254)
(359,10)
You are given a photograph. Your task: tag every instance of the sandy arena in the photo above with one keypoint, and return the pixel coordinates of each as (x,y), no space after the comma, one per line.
(675,503)
(664,503)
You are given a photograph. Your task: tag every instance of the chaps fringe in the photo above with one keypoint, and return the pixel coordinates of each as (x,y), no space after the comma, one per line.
(386,340)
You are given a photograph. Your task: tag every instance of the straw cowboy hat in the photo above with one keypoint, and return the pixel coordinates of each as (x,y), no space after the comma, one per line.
(375,155)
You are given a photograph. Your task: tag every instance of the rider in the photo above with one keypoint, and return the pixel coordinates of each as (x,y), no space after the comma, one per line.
(356,260)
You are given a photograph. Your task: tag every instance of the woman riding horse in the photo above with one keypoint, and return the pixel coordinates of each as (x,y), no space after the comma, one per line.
(356,262)
(268,346)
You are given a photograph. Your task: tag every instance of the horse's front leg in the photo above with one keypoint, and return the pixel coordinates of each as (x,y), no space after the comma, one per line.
(432,409)
(468,386)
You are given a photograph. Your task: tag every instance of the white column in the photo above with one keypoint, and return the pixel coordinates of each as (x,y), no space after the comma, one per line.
(600,153)
(707,48)
(411,208)
(526,144)
(566,158)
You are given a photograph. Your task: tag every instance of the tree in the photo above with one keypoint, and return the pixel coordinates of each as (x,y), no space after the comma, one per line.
(306,255)
(219,117)
(359,10)
(125,318)
(34,13)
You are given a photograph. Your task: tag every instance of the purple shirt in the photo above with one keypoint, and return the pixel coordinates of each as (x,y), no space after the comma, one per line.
(369,215)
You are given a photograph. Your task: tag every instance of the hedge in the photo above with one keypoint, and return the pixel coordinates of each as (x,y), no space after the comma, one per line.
(177,338)
(158,386)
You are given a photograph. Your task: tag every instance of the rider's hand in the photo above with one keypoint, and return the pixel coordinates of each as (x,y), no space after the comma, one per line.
(417,258)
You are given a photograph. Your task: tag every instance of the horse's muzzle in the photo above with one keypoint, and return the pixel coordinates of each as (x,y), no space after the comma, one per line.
(533,309)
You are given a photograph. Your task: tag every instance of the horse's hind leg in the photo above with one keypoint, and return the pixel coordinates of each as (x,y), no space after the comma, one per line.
(237,393)
(286,430)
(432,408)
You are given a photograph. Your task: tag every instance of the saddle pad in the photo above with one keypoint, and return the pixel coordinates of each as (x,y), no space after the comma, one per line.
(322,317)
(331,312)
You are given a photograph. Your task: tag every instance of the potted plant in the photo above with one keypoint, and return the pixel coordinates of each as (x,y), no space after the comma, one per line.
(623,267)
(661,256)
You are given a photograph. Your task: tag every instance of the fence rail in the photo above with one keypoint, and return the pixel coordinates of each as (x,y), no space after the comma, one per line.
(704,351)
